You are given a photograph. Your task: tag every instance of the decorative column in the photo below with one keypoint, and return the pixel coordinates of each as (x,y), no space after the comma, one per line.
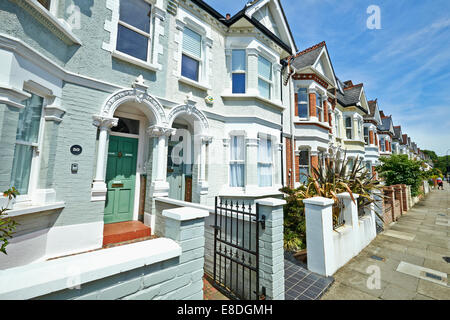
(104,124)
(276,87)
(252,67)
(203,181)
(251,165)
(160,187)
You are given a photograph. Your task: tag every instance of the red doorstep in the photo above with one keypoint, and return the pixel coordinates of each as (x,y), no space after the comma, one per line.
(124,231)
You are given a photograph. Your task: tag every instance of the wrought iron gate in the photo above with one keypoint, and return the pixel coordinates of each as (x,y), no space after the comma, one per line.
(236,249)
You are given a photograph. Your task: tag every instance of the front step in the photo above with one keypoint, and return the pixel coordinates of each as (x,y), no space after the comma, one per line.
(124,231)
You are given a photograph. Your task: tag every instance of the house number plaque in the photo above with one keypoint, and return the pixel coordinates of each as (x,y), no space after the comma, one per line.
(76,149)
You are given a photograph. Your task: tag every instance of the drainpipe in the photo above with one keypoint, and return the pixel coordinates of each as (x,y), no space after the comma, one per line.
(281,130)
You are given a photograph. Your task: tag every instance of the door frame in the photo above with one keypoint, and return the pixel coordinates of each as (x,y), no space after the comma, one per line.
(142,147)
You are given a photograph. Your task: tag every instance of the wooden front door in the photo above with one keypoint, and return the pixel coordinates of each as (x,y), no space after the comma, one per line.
(120,179)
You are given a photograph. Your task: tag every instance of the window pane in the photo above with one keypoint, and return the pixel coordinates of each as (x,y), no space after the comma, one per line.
(348,122)
(29,120)
(45,3)
(264,175)
(303,110)
(318,100)
(238,60)
(189,68)
(236,175)
(265,163)
(349,133)
(264,68)
(238,82)
(237,148)
(304,158)
(302,96)
(136,13)
(192,42)
(264,88)
(127,126)
(132,43)
(20,175)
(304,173)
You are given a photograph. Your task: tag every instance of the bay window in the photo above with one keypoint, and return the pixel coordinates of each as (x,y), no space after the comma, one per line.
(304,166)
(383,144)
(191,55)
(303,103)
(237,161)
(238,66)
(265,159)
(27,138)
(348,127)
(264,77)
(133,33)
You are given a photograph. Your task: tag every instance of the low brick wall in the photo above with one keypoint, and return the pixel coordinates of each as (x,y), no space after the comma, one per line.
(164,268)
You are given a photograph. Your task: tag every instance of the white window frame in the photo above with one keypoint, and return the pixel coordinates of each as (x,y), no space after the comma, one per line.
(304,103)
(132,28)
(383,144)
(230,162)
(307,166)
(263,136)
(366,137)
(337,125)
(348,127)
(270,82)
(239,71)
(319,107)
(37,147)
(200,60)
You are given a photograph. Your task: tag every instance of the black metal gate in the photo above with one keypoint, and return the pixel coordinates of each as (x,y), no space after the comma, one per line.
(236,249)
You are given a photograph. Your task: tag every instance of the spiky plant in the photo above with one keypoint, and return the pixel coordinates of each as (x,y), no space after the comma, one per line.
(328,181)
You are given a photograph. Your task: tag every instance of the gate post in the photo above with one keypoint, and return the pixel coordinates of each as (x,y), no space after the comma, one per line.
(271,252)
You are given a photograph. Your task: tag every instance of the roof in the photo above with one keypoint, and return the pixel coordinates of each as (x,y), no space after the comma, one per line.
(351,95)
(386,124)
(308,56)
(256,23)
(372,106)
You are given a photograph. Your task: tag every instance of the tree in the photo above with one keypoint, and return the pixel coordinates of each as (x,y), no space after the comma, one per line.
(398,169)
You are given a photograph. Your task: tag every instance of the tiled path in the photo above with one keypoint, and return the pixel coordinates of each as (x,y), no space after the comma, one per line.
(211,293)
(410,258)
(302,284)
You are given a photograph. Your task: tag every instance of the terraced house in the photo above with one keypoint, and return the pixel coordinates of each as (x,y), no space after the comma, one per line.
(108,106)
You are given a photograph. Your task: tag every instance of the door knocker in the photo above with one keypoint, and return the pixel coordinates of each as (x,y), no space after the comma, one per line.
(119,154)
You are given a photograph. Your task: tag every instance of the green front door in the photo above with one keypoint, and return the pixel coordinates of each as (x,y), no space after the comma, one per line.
(120,179)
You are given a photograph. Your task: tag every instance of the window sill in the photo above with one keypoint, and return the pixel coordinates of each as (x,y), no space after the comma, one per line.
(127,58)
(23,208)
(61,27)
(245,96)
(202,86)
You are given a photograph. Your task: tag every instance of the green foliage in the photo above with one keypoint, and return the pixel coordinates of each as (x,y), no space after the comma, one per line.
(325,181)
(398,169)
(7,225)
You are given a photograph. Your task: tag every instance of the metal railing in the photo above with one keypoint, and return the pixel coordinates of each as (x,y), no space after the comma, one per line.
(338,214)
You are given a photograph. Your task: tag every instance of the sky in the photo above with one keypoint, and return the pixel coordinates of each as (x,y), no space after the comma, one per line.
(405,64)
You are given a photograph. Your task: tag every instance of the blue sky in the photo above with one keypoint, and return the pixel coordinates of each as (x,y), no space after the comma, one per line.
(405,64)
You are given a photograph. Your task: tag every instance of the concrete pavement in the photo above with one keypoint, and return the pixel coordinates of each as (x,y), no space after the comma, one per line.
(408,261)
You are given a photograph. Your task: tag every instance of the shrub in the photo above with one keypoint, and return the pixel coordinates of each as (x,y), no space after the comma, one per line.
(398,169)
(7,225)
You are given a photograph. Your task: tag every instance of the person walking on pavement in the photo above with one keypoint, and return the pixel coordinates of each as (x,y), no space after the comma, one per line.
(440,183)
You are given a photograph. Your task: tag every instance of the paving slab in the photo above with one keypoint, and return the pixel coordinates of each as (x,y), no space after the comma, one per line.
(411,264)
